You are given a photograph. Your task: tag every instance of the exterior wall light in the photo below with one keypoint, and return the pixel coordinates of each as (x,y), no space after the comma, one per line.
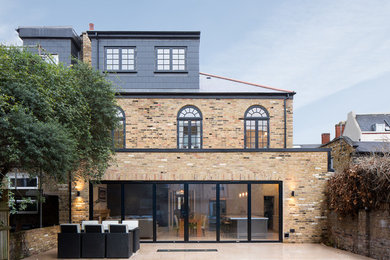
(78,194)
(293,194)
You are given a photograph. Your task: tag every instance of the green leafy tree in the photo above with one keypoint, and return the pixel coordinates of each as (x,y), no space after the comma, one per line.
(54,120)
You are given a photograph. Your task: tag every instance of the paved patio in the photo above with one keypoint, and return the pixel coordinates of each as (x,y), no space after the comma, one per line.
(233,251)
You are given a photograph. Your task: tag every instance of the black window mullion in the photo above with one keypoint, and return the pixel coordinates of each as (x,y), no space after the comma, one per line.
(123,201)
(218,214)
(90,201)
(186,209)
(249,199)
(189,134)
(256,134)
(154,213)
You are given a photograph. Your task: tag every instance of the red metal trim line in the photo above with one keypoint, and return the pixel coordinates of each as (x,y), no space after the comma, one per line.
(244,82)
(377,133)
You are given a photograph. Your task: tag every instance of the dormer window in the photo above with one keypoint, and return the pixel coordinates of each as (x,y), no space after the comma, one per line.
(120,59)
(171,59)
(379,127)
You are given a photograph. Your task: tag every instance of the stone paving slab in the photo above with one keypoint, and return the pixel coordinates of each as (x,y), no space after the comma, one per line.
(227,251)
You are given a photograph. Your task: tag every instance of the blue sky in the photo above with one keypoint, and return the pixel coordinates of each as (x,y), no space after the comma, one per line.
(334,53)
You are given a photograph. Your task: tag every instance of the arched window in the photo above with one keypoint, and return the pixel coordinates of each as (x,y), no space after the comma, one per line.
(256,127)
(189,128)
(119,133)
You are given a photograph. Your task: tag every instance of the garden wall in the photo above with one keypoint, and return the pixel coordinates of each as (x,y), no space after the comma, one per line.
(367,234)
(32,242)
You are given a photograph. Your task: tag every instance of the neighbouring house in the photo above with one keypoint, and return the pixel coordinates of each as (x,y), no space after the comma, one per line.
(360,135)
(199,157)
(368,127)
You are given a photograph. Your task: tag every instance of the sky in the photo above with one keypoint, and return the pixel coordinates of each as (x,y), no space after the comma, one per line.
(335,54)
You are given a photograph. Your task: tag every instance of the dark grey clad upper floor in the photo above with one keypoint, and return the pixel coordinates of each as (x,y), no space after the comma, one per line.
(145,75)
(62,41)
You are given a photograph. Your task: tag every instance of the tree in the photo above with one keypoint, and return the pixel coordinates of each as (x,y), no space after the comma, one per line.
(364,184)
(54,120)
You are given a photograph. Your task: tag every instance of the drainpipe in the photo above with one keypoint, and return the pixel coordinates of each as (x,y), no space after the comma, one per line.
(40,199)
(70,198)
(97,54)
(285,120)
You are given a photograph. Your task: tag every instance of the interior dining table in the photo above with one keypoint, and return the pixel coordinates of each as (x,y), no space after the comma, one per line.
(195,222)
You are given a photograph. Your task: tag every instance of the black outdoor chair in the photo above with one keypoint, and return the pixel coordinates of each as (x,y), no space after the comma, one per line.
(136,245)
(119,242)
(69,241)
(93,242)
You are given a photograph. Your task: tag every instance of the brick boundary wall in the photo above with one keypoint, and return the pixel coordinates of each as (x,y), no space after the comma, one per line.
(31,242)
(366,234)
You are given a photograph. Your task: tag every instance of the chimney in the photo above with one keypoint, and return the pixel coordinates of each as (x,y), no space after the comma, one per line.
(339,129)
(91,27)
(325,138)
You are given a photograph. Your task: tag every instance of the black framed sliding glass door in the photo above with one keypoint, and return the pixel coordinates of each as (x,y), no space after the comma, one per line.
(171,212)
(193,211)
(234,212)
(201,212)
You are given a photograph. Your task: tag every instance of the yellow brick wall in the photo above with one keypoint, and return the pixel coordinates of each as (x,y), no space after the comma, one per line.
(151,123)
(304,172)
(341,153)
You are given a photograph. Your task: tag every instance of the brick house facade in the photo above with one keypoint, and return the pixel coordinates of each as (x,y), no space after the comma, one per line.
(227,172)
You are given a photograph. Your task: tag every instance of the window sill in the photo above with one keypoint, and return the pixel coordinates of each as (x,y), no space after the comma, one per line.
(120,72)
(170,72)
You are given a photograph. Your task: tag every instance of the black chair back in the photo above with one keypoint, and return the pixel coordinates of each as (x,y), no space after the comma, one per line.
(70,228)
(118,228)
(93,228)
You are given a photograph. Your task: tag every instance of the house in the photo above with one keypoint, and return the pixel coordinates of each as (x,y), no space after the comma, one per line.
(199,157)
(368,127)
(361,135)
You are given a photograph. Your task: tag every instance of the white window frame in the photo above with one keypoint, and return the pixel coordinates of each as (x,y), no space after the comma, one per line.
(50,58)
(171,59)
(124,54)
(21,176)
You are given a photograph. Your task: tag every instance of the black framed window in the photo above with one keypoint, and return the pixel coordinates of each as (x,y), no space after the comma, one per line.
(189,128)
(171,58)
(119,133)
(256,127)
(120,59)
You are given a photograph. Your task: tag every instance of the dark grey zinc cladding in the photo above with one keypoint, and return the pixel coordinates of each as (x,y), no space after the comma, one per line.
(55,40)
(145,43)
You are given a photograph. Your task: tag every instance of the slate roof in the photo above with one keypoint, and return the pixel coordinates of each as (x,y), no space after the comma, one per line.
(367,121)
(49,32)
(218,84)
(209,84)
(372,147)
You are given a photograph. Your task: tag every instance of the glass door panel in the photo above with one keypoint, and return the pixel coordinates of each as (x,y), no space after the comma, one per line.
(234,212)
(265,212)
(107,202)
(139,206)
(202,215)
(170,212)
